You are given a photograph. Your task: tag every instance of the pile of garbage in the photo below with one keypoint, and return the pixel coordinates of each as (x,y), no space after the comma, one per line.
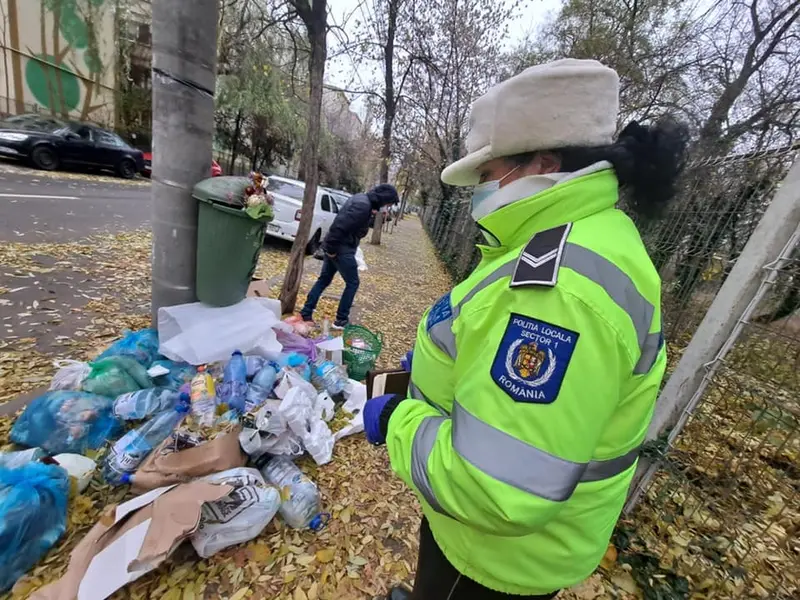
(208,438)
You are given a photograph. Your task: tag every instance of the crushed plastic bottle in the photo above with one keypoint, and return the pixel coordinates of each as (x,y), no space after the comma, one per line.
(261,387)
(132,448)
(330,377)
(233,389)
(203,397)
(142,404)
(300,506)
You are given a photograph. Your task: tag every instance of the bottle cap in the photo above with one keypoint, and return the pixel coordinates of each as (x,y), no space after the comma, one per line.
(201,368)
(319,522)
(184,397)
(236,353)
(126,478)
(182,407)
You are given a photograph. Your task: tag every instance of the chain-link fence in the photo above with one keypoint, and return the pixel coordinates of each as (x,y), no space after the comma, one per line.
(721,518)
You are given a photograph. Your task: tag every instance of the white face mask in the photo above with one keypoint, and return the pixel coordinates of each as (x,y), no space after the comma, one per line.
(483,191)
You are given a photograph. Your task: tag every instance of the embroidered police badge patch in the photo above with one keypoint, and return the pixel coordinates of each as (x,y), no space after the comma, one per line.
(440,311)
(532,359)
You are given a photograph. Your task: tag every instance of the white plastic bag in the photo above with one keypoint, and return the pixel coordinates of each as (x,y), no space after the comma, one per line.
(297,408)
(356,394)
(324,406)
(238,517)
(200,334)
(285,444)
(70,374)
(288,380)
(319,441)
(362,264)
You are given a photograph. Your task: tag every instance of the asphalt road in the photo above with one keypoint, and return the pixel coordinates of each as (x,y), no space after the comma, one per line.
(38,207)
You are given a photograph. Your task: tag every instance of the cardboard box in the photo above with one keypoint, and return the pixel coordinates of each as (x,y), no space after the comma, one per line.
(132,539)
(259,288)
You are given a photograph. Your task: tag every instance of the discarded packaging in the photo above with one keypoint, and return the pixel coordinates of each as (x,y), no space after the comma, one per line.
(238,517)
(354,405)
(142,346)
(200,334)
(80,467)
(300,500)
(132,539)
(70,374)
(14,460)
(33,516)
(183,457)
(116,375)
(65,421)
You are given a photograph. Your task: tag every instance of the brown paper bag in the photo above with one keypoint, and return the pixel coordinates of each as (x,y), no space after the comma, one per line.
(164,466)
(167,516)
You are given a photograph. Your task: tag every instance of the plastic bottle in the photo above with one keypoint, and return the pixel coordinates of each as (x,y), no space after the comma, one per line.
(233,389)
(261,387)
(300,506)
(203,397)
(330,376)
(132,448)
(142,404)
(254,365)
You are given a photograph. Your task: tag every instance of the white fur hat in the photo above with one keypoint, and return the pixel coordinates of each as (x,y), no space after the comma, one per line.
(564,103)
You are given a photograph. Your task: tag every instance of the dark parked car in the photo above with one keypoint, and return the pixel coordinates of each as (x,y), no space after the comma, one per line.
(48,143)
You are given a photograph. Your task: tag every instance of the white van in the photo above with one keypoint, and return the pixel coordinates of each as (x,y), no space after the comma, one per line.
(288,195)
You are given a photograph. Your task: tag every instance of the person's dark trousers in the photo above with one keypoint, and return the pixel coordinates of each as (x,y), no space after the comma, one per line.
(345,264)
(437,579)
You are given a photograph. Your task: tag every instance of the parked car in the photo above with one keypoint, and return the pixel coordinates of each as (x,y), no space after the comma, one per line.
(49,143)
(216,170)
(339,196)
(288,195)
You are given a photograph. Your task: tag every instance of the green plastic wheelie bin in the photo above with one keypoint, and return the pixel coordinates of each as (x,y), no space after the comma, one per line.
(228,241)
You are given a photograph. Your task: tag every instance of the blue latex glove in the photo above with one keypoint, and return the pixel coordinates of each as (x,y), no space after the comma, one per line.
(405,362)
(372,419)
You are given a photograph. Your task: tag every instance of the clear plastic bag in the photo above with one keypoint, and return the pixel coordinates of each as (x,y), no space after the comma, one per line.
(142,346)
(240,516)
(362,264)
(33,516)
(65,421)
(70,374)
(116,375)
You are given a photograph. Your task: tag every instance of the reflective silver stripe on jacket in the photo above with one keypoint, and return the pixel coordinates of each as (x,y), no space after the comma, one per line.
(424,439)
(508,459)
(598,269)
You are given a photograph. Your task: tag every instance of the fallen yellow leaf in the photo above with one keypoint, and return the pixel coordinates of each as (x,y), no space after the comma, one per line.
(326,555)
(241,594)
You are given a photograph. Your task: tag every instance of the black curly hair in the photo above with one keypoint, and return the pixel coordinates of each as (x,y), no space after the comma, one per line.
(647,159)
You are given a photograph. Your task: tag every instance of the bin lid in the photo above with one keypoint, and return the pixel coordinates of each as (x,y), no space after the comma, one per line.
(222,190)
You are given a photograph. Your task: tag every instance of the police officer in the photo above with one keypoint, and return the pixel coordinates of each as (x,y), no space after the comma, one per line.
(533,381)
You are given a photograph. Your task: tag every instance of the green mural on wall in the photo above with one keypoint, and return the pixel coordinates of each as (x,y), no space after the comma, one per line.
(56,83)
(54,86)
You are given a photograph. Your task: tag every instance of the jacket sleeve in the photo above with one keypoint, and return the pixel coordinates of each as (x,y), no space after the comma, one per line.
(353,217)
(538,375)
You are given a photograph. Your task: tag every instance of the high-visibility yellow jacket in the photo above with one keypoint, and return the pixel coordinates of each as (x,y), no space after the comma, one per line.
(533,385)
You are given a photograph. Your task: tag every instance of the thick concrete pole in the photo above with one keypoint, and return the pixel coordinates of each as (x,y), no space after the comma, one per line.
(184,77)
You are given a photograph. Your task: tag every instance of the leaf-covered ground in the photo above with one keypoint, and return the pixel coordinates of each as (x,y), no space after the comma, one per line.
(79,297)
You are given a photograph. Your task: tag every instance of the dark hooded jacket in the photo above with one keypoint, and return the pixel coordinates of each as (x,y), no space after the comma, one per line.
(352,222)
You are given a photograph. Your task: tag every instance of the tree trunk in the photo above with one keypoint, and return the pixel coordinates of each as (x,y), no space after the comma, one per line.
(183,124)
(389,106)
(315,20)
(237,130)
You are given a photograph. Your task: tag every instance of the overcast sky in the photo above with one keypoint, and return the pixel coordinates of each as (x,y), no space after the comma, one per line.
(346,71)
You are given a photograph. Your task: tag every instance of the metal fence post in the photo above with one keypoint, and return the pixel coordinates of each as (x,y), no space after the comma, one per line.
(774,231)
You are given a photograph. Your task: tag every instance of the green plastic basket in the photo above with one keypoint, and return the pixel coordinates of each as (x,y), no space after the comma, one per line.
(361,357)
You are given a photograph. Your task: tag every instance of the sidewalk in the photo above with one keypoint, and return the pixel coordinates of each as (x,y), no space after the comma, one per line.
(370,542)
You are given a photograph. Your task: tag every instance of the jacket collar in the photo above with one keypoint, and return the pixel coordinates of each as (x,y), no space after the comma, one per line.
(571,199)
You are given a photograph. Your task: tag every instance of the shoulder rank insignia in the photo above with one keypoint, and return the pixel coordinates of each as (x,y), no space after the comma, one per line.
(540,258)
